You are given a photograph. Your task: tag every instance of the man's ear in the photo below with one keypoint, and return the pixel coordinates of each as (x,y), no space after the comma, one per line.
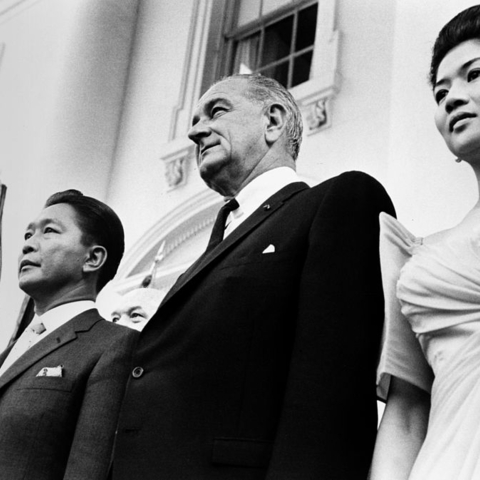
(276,122)
(97,256)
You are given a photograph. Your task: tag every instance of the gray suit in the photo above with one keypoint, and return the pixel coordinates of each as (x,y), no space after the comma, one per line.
(63,427)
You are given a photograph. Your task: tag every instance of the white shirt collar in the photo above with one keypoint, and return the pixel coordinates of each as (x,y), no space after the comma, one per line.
(257,191)
(58,316)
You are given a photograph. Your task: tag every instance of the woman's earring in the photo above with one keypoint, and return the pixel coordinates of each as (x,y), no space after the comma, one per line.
(458,160)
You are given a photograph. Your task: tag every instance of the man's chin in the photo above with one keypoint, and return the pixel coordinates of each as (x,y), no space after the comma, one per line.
(208,171)
(26,284)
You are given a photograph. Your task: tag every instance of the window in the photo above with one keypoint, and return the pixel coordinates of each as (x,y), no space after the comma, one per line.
(275,41)
(295,41)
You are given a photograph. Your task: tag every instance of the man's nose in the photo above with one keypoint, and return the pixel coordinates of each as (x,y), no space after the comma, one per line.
(197,131)
(29,245)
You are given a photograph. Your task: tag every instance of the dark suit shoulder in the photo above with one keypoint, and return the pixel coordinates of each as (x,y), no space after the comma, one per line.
(354,190)
(113,330)
(114,327)
(91,320)
(352,184)
(349,178)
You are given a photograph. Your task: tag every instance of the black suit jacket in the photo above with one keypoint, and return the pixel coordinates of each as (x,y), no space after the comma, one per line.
(262,365)
(64,427)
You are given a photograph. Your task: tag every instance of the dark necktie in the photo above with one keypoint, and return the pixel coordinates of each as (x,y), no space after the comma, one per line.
(219,226)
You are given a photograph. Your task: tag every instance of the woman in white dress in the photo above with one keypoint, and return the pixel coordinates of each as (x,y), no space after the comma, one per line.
(429,369)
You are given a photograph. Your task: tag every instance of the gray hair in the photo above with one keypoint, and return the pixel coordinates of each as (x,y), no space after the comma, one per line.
(267,90)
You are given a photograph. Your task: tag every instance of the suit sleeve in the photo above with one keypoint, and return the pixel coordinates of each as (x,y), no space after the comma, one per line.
(93,442)
(328,422)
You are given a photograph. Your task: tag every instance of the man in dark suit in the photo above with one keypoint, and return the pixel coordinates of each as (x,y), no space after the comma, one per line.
(260,362)
(62,383)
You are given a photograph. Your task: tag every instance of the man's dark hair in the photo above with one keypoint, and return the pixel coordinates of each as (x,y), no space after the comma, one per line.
(464,26)
(99,225)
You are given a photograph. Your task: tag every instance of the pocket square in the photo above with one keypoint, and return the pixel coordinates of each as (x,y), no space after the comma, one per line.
(51,372)
(269,249)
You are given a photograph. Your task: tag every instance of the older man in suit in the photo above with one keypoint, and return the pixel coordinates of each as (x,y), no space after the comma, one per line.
(62,383)
(260,362)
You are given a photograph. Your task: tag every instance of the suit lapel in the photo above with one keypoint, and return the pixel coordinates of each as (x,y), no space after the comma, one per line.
(59,337)
(5,353)
(267,208)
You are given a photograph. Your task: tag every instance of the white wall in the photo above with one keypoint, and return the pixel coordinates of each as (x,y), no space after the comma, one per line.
(138,191)
(359,136)
(430,190)
(62,78)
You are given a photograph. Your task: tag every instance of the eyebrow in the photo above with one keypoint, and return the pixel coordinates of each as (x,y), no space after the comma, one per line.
(44,222)
(464,67)
(135,307)
(208,106)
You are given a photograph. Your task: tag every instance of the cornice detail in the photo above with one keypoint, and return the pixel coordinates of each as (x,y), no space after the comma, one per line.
(169,233)
(314,97)
(177,157)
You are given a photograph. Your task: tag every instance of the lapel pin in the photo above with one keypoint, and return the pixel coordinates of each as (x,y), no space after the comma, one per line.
(267,207)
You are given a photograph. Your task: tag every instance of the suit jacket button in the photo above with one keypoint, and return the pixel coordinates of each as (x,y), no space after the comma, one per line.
(137,372)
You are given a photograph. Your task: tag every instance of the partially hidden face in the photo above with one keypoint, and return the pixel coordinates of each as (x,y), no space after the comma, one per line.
(228,129)
(457,93)
(136,308)
(133,316)
(53,254)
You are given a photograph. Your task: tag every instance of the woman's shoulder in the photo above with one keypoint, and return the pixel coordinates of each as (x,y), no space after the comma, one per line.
(467,229)
(390,225)
(438,237)
(393,229)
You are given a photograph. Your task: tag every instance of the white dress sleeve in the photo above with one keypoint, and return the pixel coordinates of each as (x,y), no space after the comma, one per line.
(401,354)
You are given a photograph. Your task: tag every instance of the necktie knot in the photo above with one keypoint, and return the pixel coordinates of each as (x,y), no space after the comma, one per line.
(219,226)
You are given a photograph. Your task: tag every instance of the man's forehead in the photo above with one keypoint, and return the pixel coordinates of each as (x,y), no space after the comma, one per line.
(224,89)
(127,307)
(59,213)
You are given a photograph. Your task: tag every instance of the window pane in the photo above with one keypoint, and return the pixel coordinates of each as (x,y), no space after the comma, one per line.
(307,24)
(271,5)
(278,72)
(301,68)
(278,38)
(249,10)
(246,54)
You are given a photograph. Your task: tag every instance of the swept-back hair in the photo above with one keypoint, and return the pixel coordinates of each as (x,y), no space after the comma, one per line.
(99,224)
(464,26)
(266,90)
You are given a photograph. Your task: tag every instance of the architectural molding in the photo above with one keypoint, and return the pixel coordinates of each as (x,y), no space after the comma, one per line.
(190,221)
(177,156)
(318,116)
(179,151)
(193,68)
(314,97)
